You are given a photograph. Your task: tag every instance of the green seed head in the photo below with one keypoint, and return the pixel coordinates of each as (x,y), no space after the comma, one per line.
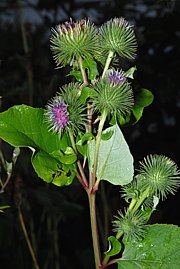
(117,35)
(114,94)
(130,224)
(72,40)
(161,174)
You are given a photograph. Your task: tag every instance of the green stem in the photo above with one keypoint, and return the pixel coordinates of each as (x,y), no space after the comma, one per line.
(21,219)
(108,61)
(81,170)
(98,140)
(89,107)
(144,195)
(83,72)
(106,259)
(6,182)
(94,229)
(132,204)
(3,160)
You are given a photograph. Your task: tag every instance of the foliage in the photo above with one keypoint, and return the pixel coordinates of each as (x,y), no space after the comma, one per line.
(75,144)
(147,253)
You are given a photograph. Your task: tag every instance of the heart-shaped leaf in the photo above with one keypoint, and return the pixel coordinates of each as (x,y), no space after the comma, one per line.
(24,126)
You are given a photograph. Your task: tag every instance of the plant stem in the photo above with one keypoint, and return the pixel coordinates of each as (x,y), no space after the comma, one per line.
(6,182)
(94,229)
(92,195)
(141,199)
(97,145)
(81,170)
(2,159)
(83,72)
(21,219)
(132,204)
(108,61)
(89,107)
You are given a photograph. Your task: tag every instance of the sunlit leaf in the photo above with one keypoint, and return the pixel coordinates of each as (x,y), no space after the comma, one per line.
(115,162)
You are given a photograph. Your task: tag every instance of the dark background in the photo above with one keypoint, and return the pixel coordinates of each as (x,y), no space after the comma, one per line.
(57,219)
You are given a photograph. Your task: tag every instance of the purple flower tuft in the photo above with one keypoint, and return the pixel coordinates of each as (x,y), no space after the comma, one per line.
(57,115)
(115,77)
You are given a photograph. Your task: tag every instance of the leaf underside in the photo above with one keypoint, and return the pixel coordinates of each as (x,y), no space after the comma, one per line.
(115,162)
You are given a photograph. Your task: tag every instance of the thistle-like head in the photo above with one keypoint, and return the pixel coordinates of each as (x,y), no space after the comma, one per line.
(160,174)
(57,114)
(114,94)
(118,36)
(72,40)
(131,225)
(65,111)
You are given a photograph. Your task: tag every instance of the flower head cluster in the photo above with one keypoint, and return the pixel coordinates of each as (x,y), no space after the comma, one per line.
(159,173)
(65,110)
(114,94)
(72,40)
(117,35)
(130,224)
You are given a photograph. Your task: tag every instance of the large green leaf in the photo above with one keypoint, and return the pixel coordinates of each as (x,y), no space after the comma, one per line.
(115,162)
(160,249)
(24,126)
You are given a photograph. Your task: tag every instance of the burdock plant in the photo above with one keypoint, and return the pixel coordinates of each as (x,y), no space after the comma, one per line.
(77,136)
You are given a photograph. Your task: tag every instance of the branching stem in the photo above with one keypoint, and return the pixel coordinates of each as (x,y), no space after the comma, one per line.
(97,145)
(81,170)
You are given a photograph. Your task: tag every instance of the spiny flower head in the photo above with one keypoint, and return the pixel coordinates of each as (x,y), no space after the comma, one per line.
(130,224)
(161,174)
(117,36)
(114,94)
(65,110)
(72,40)
(57,113)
